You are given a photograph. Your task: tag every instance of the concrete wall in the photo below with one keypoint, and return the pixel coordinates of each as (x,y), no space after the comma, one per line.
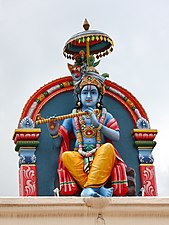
(77,210)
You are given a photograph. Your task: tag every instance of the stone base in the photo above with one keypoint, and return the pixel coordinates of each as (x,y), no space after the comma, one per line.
(77,210)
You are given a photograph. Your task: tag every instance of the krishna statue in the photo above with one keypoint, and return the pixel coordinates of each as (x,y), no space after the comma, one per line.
(94,158)
(79,156)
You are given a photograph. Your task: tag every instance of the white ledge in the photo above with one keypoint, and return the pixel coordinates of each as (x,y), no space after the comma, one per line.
(74,208)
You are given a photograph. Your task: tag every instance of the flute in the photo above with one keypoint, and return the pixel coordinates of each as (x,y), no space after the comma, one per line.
(41,120)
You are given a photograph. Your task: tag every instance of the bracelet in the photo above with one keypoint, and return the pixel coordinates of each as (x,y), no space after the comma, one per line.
(54,136)
(99,127)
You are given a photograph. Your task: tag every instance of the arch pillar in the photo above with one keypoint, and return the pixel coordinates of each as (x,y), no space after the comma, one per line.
(26,141)
(144,142)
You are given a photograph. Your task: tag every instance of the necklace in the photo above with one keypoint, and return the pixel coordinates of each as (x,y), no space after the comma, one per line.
(88,131)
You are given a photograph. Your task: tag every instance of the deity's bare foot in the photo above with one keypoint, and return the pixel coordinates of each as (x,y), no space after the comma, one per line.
(106,192)
(90,192)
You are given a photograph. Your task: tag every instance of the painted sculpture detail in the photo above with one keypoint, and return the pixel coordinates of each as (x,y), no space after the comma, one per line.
(94,167)
(94,156)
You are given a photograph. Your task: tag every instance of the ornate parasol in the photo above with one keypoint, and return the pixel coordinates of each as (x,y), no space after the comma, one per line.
(92,42)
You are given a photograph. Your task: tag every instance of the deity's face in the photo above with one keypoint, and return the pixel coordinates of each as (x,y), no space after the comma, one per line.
(89,96)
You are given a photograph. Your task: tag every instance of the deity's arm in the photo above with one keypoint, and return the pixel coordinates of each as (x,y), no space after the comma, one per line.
(57,140)
(67,124)
(110,128)
(56,131)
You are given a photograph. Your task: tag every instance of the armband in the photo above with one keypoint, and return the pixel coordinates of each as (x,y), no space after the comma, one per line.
(54,136)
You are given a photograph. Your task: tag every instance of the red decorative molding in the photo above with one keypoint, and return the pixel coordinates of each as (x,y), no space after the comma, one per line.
(27,180)
(132,101)
(26,135)
(144,135)
(123,103)
(148,180)
(129,95)
(39,107)
(42,90)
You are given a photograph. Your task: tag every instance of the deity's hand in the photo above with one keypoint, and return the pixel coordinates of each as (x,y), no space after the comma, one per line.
(93,117)
(53,127)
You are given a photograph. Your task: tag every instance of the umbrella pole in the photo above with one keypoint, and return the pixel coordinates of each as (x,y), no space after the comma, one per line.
(86,26)
(87,52)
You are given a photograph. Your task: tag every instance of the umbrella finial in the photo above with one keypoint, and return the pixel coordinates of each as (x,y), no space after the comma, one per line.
(86,25)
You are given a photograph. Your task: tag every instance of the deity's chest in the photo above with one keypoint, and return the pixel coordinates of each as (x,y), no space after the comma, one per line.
(87,128)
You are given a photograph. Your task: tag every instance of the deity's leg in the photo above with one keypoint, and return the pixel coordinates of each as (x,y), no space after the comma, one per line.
(102,165)
(105,192)
(73,161)
(90,192)
(97,192)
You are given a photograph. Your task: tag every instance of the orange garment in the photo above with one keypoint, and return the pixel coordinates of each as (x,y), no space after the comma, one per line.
(100,170)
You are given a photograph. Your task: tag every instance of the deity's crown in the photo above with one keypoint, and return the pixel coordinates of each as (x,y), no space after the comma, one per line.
(93,79)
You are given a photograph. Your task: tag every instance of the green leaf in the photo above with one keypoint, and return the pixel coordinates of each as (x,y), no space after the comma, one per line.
(91,60)
(96,63)
(105,75)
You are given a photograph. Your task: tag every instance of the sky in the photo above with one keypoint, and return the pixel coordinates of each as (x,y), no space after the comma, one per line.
(32,37)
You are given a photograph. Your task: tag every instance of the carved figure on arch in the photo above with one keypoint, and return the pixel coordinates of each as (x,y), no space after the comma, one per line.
(87,139)
(94,159)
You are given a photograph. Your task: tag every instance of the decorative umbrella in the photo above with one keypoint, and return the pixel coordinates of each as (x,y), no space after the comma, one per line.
(92,42)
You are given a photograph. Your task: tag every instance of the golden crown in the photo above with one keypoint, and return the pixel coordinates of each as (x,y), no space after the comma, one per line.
(93,81)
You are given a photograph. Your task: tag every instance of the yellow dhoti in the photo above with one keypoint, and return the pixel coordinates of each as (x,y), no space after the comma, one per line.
(100,170)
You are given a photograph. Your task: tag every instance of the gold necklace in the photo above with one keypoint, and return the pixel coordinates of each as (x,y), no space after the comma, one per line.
(87,131)
(102,115)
